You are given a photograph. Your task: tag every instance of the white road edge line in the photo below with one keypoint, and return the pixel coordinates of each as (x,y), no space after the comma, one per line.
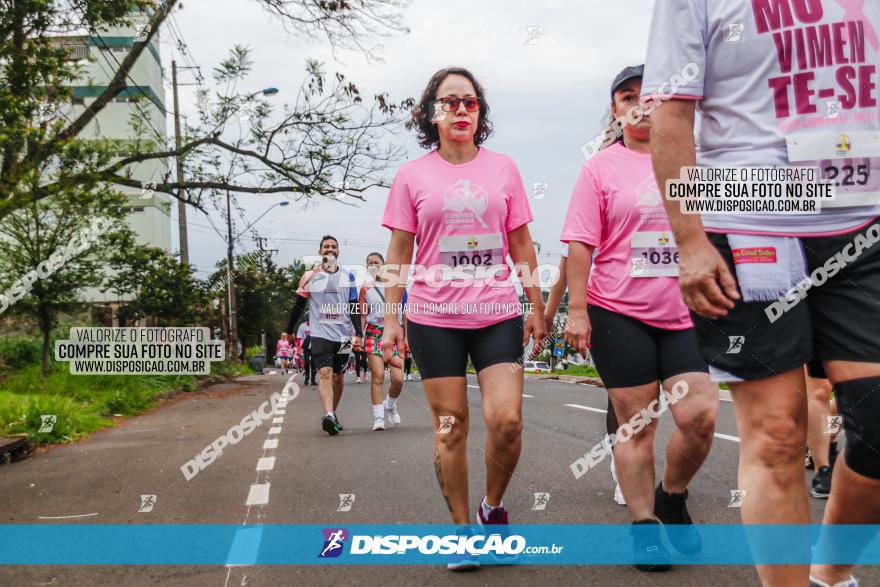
(580,407)
(65,517)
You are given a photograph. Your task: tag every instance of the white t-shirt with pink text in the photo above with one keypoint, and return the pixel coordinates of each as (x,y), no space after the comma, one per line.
(460,215)
(780,83)
(617,208)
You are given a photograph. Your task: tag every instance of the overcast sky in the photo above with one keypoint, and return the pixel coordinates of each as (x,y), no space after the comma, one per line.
(547,98)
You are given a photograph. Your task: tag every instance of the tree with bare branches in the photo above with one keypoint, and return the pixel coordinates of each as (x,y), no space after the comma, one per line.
(329,142)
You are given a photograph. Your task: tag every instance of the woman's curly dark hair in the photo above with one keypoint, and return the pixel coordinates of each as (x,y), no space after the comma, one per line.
(421,119)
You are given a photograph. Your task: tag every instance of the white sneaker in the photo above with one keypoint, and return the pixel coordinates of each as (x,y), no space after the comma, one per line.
(379,423)
(393,415)
(618,495)
(851,582)
(359,380)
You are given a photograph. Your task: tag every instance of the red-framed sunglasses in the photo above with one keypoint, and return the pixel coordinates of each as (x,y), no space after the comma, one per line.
(451,104)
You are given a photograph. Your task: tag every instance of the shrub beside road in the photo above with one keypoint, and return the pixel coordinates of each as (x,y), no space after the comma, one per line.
(81,404)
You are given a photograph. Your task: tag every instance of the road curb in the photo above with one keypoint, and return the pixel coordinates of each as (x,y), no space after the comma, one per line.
(571,378)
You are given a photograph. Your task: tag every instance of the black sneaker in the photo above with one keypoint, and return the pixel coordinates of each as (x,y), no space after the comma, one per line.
(330,426)
(821,487)
(808,461)
(338,423)
(672,511)
(648,550)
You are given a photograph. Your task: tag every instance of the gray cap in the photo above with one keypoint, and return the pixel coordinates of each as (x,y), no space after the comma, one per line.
(628,73)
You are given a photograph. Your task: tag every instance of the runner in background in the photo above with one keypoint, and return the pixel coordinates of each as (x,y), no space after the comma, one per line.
(331,293)
(303,340)
(468,209)
(360,364)
(767,98)
(818,439)
(407,364)
(284,351)
(297,359)
(640,333)
(553,301)
(372,299)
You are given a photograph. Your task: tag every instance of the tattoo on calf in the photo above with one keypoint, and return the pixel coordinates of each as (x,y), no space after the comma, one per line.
(439,471)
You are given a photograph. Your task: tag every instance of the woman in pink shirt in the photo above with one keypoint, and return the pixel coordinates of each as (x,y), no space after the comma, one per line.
(631,315)
(466,209)
(284,351)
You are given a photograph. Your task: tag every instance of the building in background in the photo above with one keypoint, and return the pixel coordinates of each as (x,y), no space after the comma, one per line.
(100,55)
(144,95)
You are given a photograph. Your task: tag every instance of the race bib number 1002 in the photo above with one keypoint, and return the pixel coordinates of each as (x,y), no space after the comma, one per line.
(477,249)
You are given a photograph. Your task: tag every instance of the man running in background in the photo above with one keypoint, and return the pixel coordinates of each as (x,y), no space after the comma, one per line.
(774,90)
(332,297)
(304,342)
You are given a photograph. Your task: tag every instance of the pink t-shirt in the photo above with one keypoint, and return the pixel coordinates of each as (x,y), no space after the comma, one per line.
(283,348)
(617,208)
(460,215)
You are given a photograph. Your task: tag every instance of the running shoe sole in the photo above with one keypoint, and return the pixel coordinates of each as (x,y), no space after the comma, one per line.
(819,495)
(329,426)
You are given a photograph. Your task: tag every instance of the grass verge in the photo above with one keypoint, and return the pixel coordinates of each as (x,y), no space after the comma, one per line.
(82,404)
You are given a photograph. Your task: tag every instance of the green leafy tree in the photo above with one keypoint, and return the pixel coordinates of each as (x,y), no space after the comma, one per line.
(54,252)
(264,296)
(157,285)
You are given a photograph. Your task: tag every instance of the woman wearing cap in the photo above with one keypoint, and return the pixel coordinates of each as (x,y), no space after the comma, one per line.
(467,208)
(641,337)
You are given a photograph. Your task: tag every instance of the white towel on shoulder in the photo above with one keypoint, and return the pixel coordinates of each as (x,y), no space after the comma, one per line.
(767,266)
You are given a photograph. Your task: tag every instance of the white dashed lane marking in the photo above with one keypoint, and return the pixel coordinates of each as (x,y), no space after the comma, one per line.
(258,495)
(270,444)
(266,464)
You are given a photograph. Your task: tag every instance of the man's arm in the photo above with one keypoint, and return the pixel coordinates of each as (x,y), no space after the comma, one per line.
(298,306)
(707,285)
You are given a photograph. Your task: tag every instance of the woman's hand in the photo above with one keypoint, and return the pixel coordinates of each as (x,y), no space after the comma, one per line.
(393,336)
(707,285)
(535,330)
(578,331)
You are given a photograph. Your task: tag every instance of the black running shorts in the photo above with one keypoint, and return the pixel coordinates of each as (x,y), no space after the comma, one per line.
(837,320)
(325,353)
(628,352)
(443,352)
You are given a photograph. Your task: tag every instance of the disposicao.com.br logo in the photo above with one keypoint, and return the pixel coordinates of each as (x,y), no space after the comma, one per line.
(431,544)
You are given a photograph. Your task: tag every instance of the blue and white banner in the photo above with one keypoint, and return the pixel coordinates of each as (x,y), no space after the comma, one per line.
(352,544)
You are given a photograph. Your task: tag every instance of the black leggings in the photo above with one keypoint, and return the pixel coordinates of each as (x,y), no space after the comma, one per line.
(309,367)
(407,365)
(610,418)
(360,363)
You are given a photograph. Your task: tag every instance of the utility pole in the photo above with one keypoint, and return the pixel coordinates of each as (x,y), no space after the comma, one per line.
(181,205)
(263,250)
(230,284)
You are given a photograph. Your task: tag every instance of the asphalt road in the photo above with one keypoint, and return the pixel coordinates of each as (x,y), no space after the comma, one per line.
(101,480)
